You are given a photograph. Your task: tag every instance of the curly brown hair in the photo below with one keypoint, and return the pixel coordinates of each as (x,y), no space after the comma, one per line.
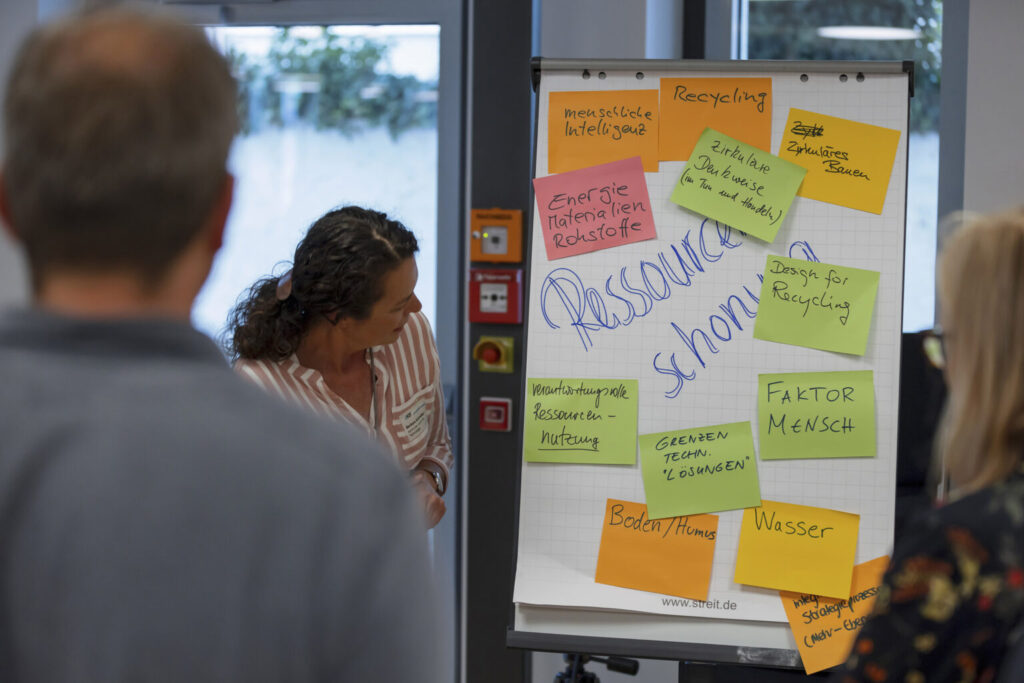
(338,272)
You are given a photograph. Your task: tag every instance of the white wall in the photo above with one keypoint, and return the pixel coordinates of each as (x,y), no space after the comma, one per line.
(994,143)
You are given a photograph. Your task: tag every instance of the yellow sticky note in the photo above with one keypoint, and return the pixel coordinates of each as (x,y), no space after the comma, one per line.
(739,107)
(797,548)
(595,127)
(825,628)
(670,556)
(848,162)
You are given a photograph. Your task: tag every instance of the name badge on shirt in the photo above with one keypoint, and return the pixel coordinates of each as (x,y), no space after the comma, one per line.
(416,420)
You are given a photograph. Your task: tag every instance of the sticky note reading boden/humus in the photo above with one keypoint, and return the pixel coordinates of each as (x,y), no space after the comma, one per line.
(816,415)
(825,628)
(594,127)
(738,107)
(581,421)
(706,469)
(669,556)
(797,548)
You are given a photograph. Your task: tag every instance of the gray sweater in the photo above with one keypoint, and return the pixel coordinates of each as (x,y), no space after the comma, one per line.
(163,520)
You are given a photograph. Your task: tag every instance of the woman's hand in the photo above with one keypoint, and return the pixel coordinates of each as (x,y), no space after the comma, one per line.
(433,504)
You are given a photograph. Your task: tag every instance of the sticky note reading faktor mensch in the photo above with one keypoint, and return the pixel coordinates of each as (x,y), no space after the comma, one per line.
(818,305)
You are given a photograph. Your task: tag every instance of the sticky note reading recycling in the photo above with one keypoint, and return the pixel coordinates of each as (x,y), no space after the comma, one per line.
(738,184)
(668,556)
(581,421)
(797,548)
(825,628)
(818,305)
(816,415)
(595,127)
(594,208)
(739,107)
(848,162)
(699,470)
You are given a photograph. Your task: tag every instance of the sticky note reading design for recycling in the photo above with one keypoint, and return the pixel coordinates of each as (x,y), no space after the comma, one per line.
(669,556)
(797,548)
(739,107)
(818,305)
(594,127)
(825,628)
(738,184)
(706,469)
(581,421)
(816,415)
(848,162)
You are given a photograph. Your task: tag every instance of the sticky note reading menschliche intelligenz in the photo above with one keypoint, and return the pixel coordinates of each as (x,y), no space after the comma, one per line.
(668,556)
(816,415)
(706,469)
(594,208)
(587,128)
(818,305)
(797,548)
(739,107)
(581,421)
(825,628)
(738,184)
(848,162)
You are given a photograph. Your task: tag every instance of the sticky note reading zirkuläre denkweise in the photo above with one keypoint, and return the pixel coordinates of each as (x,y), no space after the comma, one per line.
(818,305)
(738,184)
(848,162)
(739,107)
(797,548)
(825,628)
(581,421)
(706,469)
(816,415)
(594,127)
(669,556)
(593,208)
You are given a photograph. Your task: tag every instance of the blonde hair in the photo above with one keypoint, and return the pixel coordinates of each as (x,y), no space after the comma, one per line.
(981,293)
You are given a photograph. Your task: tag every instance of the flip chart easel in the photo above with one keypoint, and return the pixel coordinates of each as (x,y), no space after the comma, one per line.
(557,605)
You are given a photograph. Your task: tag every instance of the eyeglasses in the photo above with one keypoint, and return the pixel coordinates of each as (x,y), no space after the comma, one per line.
(934,345)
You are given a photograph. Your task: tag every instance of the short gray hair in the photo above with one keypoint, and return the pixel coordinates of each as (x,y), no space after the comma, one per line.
(117,124)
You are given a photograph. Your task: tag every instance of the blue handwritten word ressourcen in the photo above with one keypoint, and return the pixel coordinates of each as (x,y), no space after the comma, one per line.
(635,291)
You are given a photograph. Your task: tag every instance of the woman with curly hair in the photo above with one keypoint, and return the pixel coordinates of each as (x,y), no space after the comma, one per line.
(951,606)
(341,333)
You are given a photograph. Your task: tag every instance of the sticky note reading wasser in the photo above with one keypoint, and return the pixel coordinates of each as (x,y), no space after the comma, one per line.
(699,470)
(818,305)
(594,208)
(669,556)
(595,127)
(825,628)
(738,184)
(797,548)
(816,415)
(581,421)
(738,107)
(848,162)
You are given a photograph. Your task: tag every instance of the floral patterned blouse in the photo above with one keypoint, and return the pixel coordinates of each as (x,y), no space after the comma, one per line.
(952,602)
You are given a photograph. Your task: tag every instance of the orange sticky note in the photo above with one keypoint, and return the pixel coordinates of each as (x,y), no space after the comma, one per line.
(797,548)
(595,127)
(825,628)
(739,107)
(848,162)
(671,556)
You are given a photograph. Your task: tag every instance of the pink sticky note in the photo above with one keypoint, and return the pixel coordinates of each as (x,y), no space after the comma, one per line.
(594,208)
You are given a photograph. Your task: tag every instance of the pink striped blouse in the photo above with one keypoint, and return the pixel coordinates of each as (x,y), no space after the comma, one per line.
(408,395)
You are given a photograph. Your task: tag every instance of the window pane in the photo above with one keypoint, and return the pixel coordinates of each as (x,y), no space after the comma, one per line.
(330,116)
(815,29)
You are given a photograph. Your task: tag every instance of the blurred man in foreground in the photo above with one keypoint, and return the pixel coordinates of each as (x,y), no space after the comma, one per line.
(161,519)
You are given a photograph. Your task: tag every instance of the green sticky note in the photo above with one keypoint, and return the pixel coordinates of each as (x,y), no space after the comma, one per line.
(581,421)
(738,184)
(706,469)
(818,305)
(816,415)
